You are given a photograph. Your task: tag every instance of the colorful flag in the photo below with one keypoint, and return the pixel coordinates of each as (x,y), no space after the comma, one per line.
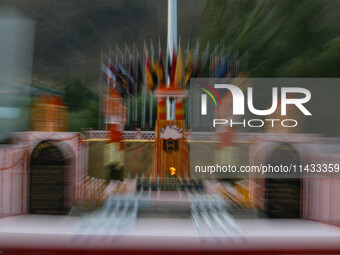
(148,74)
(179,68)
(153,71)
(108,72)
(221,68)
(121,80)
(160,68)
(168,64)
(173,67)
(196,70)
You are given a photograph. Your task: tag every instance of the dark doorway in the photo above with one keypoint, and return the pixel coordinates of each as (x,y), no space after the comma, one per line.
(48,170)
(283,195)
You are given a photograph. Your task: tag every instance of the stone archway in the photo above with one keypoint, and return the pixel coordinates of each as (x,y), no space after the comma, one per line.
(283,195)
(48,188)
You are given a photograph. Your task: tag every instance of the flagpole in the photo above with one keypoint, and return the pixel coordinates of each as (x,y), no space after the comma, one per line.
(152,50)
(107,119)
(144,107)
(172,42)
(128,110)
(150,115)
(99,90)
(136,88)
(134,85)
(144,90)
(172,26)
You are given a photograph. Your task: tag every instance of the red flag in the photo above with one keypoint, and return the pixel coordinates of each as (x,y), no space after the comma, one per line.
(160,69)
(173,67)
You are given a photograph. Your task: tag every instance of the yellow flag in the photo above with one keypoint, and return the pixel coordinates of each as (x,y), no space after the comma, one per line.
(148,74)
(179,68)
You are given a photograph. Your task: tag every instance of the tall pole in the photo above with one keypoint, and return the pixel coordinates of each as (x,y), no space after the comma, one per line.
(172,42)
(144,89)
(150,113)
(172,26)
(100,94)
(136,83)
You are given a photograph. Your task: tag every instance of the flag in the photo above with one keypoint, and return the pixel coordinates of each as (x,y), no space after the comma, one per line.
(153,71)
(131,79)
(188,68)
(160,68)
(173,67)
(179,68)
(168,64)
(221,68)
(121,80)
(109,73)
(139,79)
(148,74)
(196,70)
(106,72)
(215,62)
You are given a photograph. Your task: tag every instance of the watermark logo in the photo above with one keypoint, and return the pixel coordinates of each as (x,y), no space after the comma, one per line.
(204,97)
(239,101)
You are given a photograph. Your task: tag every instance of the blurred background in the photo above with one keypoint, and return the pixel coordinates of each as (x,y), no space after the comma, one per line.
(100,133)
(282,38)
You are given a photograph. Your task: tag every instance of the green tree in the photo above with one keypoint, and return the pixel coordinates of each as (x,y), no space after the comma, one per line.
(285,38)
(83,104)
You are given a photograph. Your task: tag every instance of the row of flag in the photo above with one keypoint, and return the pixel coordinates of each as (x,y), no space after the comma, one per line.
(121,78)
(178,71)
(129,73)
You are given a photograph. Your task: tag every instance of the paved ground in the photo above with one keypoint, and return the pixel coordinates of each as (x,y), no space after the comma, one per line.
(65,232)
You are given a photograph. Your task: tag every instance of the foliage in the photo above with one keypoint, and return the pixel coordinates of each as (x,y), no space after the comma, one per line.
(285,38)
(82,102)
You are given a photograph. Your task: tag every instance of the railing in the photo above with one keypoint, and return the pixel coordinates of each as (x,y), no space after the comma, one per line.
(150,135)
(139,135)
(202,136)
(97,134)
(127,135)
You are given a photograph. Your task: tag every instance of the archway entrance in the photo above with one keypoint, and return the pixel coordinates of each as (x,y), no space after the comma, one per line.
(283,195)
(48,171)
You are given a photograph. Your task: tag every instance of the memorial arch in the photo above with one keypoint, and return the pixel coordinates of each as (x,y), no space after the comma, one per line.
(283,195)
(51,181)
